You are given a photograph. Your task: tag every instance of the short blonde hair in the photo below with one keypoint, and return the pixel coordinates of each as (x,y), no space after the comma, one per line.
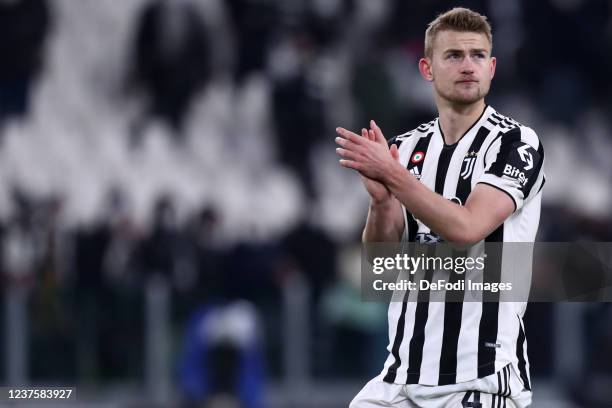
(457,19)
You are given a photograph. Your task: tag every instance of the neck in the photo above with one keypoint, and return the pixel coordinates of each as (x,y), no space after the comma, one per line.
(456,120)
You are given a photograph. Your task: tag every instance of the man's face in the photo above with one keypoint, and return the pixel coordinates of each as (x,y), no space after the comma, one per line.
(461,67)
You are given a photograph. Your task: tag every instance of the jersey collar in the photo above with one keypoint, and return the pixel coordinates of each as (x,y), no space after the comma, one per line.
(488,110)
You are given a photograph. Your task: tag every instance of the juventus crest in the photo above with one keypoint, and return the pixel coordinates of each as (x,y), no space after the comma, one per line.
(468,165)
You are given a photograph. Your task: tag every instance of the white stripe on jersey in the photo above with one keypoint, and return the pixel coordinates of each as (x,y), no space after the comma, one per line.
(470,320)
(490,152)
(433,344)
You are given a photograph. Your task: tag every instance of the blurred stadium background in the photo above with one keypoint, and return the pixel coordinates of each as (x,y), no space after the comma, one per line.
(175,229)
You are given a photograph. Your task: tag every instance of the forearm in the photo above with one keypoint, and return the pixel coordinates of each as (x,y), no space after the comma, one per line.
(442,216)
(385,222)
(484,210)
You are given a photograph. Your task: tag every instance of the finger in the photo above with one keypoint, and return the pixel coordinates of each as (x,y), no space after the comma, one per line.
(347,154)
(347,134)
(372,135)
(347,144)
(350,164)
(394,152)
(364,133)
(379,135)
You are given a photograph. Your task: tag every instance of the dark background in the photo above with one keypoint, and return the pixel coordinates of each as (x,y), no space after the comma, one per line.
(175,229)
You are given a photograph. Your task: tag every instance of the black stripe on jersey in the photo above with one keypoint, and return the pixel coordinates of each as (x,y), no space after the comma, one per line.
(499,383)
(500,134)
(421,145)
(495,118)
(497,235)
(487,332)
(453,308)
(505,381)
(417,341)
(413,226)
(509,382)
(508,139)
(397,341)
(536,173)
(507,123)
(520,350)
(443,161)
(498,115)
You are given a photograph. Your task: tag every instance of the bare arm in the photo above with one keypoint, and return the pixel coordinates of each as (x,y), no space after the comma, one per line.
(385,222)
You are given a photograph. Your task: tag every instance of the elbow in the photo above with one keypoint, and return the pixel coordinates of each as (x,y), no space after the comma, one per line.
(463,237)
(465,231)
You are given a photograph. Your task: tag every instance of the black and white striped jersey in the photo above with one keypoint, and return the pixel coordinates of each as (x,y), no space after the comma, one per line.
(440,343)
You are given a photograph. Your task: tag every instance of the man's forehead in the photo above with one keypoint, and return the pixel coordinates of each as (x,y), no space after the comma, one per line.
(446,39)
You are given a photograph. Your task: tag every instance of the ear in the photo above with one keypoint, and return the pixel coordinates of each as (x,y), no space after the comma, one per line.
(492,66)
(425,69)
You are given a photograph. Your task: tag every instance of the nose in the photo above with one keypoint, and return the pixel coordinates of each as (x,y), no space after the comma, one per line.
(467,66)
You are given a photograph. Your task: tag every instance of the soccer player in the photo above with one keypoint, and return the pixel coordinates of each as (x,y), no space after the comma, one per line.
(469,176)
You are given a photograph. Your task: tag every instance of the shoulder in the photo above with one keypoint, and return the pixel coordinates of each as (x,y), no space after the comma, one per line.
(423,130)
(508,131)
(512,143)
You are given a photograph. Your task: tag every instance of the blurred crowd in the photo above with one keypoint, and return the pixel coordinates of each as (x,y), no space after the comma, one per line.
(192,141)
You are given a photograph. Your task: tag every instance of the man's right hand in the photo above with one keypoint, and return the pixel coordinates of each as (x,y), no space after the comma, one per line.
(385,221)
(379,193)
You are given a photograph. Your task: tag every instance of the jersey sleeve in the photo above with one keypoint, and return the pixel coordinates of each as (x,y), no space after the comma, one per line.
(513,164)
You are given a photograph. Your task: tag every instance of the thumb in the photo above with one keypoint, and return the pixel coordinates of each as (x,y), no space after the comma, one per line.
(394,152)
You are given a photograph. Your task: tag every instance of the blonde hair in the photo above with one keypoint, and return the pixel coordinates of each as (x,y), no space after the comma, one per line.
(457,19)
